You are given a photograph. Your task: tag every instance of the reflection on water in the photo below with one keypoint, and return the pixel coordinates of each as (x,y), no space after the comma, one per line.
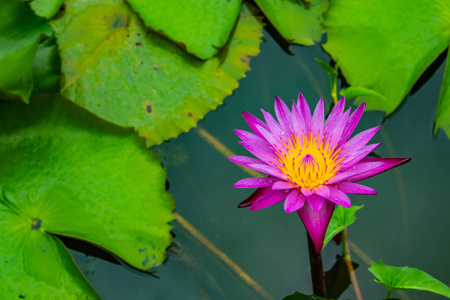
(405,224)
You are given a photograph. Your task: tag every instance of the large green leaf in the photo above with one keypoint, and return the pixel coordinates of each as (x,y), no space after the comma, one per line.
(341,219)
(116,69)
(386,45)
(78,176)
(403,278)
(201,27)
(443,109)
(20,31)
(297,22)
(46,8)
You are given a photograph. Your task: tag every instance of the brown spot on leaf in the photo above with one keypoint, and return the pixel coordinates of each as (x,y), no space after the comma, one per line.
(138,44)
(189,114)
(149,108)
(155,66)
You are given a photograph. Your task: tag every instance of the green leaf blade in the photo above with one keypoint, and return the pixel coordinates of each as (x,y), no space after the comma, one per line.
(202,27)
(83,178)
(386,46)
(443,110)
(341,219)
(296,22)
(114,68)
(403,278)
(20,31)
(46,8)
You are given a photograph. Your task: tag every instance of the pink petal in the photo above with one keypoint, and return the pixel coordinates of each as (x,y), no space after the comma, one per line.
(339,197)
(269,170)
(273,125)
(371,166)
(304,110)
(268,136)
(358,141)
(307,192)
(252,121)
(283,114)
(322,190)
(244,160)
(318,118)
(261,192)
(283,185)
(299,126)
(316,223)
(254,182)
(257,146)
(316,202)
(268,199)
(334,116)
(353,120)
(354,158)
(335,134)
(294,201)
(355,188)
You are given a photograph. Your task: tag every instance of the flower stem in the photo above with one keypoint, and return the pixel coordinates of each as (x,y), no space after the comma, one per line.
(317,274)
(388,294)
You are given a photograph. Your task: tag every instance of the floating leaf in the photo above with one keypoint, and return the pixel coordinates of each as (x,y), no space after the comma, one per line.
(116,69)
(300,296)
(443,109)
(406,278)
(297,22)
(354,91)
(386,45)
(341,219)
(46,8)
(201,27)
(46,68)
(20,31)
(66,172)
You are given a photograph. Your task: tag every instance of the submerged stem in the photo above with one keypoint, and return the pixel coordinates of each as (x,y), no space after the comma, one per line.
(348,262)
(388,294)
(317,274)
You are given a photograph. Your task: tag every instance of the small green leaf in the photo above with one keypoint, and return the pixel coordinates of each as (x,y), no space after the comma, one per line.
(66,172)
(124,74)
(386,45)
(46,8)
(20,31)
(300,296)
(342,218)
(46,68)
(355,91)
(443,109)
(329,69)
(201,27)
(296,22)
(406,278)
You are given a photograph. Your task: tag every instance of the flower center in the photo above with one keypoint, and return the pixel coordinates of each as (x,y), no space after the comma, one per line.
(308,162)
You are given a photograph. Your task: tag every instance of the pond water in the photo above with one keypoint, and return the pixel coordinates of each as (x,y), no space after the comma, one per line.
(407,223)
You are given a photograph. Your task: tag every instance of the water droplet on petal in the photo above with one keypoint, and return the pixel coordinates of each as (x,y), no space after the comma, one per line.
(260,180)
(282,133)
(270,180)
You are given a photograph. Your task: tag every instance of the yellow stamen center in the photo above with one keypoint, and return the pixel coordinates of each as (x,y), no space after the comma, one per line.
(309,162)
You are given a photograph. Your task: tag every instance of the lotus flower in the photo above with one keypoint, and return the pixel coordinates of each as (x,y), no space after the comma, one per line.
(311,165)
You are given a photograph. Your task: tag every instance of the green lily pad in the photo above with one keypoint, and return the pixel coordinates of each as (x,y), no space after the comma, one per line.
(406,278)
(66,172)
(201,27)
(297,22)
(341,219)
(386,45)
(443,109)
(20,31)
(116,69)
(46,8)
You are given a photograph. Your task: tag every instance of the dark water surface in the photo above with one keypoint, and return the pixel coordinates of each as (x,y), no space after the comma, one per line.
(407,223)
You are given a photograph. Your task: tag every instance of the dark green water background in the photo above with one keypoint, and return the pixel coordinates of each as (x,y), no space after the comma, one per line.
(407,223)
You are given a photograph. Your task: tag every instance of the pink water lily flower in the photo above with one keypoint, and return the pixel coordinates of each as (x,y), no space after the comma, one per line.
(311,165)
